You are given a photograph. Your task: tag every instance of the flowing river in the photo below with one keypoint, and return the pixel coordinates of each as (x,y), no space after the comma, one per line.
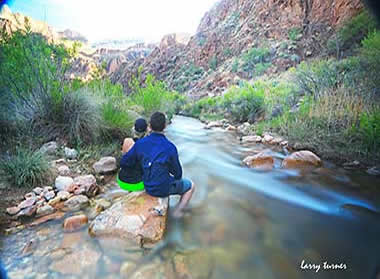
(243,223)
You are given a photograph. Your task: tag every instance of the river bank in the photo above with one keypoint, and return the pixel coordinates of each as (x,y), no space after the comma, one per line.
(242,222)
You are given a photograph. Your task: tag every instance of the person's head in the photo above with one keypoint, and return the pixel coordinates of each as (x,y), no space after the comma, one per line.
(158,122)
(140,127)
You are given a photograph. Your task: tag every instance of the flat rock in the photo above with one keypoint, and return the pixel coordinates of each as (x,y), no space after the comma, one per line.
(27,203)
(45,210)
(28,212)
(49,148)
(55,216)
(214,124)
(301,159)
(13,210)
(231,128)
(74,223)
(262,160)
(105,165)
(132,220)
(30,195)
(77,263)
(76,202)
(62,183)
(249,139)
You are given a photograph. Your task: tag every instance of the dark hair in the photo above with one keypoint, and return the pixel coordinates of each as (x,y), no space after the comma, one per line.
(158,121)
(141,125)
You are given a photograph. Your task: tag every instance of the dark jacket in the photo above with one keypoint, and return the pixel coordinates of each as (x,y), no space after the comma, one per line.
(133,174)
(158,158)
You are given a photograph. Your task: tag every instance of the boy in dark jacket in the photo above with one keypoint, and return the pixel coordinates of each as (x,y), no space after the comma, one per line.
(162,171)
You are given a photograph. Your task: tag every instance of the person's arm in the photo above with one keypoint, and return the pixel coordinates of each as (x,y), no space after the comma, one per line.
(174,165)
(127,145)
(129,159)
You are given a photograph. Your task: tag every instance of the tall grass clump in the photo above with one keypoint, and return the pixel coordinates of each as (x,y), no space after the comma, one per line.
(25,168)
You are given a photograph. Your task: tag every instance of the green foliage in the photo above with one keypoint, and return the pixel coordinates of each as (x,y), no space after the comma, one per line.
(244,103)
(352,32)
(213,63)
(25,168)
(153,96)
(255,56)
(227,52)
(260,68)
(188,73)
(235,66)
(239,103)
(370,60)
(293,33)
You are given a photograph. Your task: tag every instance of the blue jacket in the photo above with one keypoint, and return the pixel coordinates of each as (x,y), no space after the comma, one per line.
(158,158)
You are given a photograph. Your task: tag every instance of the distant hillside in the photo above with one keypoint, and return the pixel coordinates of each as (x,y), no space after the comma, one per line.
(278,34)
(73,36)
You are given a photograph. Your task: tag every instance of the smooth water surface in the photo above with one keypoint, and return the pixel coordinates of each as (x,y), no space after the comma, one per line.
(242,223)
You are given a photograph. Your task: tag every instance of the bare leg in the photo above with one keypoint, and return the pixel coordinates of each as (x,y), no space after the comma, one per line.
(183,202)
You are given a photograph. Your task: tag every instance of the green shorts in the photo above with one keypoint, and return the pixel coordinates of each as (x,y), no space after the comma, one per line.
(130,187)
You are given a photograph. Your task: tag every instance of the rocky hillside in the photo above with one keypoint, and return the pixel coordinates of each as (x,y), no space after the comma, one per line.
(235,34)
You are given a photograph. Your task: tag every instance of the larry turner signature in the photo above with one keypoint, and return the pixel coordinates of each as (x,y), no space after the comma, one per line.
(324,266)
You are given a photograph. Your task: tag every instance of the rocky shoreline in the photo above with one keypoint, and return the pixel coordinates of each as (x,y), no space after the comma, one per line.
(296,154)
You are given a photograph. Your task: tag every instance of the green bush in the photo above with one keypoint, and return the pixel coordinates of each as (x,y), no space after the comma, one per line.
(235,66)
(255,56)
(25,168)
(370,61)
(153,96)
(213,63)
(117,121)
(293,33)
(352,33)
(243,103)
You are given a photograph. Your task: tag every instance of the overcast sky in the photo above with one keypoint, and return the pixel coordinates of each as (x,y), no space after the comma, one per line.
(118,19)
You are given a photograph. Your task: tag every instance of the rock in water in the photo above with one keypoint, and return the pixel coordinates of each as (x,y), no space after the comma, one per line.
(62,183)
(74,223)
(133,220)
(301,159)
(77,263)
(105,165)
(262,160)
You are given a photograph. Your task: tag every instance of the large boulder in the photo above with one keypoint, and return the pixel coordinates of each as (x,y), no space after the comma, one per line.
(63,183)
(133,220)
(301,159)
(105,165)
(262,160)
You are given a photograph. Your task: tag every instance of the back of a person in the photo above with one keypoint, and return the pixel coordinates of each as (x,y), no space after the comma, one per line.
(156,151)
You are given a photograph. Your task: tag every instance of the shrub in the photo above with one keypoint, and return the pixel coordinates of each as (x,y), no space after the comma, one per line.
(370,61)
(153,96)
(235,66)
(213,63)
(293,33)
(243,103)
(352,33)
(25,168)
(260,68)
(117,121)
(253,57)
